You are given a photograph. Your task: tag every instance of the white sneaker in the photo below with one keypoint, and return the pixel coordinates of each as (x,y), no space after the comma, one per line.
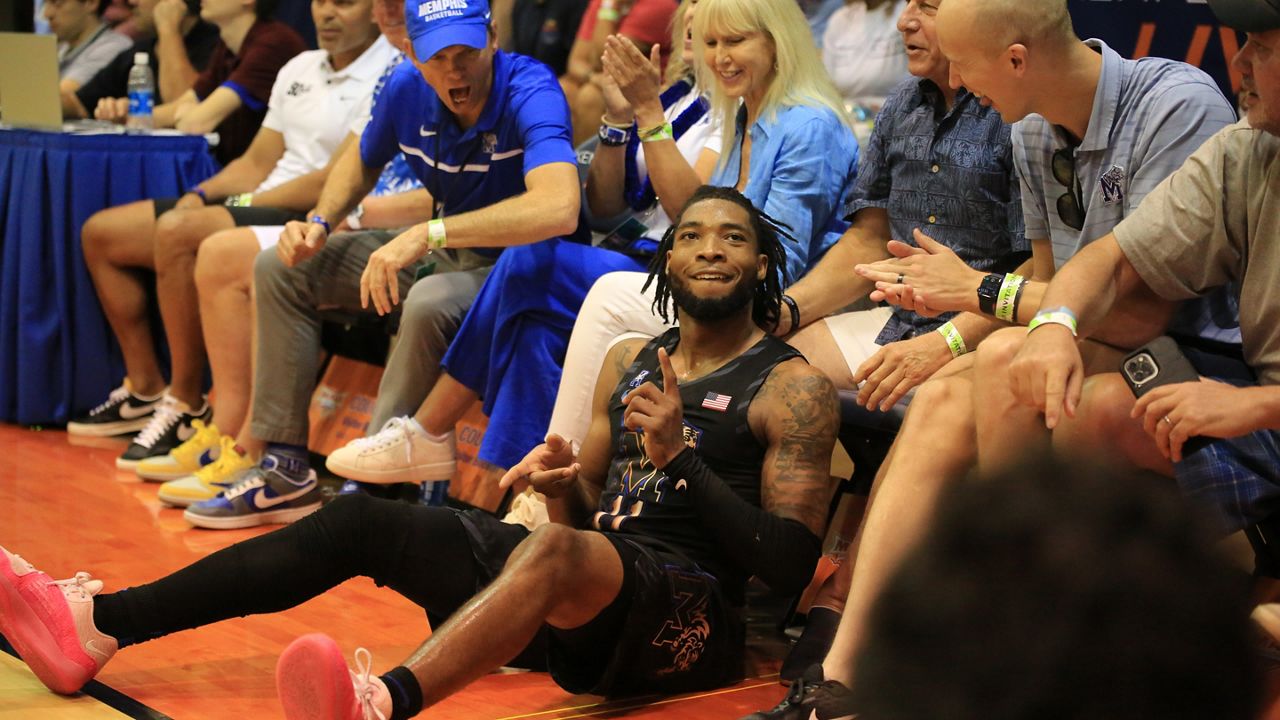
(529,509)
(400,452)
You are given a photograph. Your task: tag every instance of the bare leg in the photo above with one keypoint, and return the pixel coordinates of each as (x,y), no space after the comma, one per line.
(118,246)
(445,405)
(224,278)
(178,236)
(938,435)
(1103,431)
(559,576)
(1006,429)
(819,347)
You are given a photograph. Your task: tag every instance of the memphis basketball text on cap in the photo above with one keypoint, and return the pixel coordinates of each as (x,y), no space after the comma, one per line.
(436,24)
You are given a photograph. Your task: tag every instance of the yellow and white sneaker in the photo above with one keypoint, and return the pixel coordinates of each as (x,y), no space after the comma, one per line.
(199,450)
(209,480)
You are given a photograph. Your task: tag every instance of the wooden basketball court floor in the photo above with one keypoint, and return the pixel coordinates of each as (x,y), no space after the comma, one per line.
(66,508)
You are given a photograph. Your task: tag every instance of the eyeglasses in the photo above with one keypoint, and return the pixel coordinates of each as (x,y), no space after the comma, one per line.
(1070,203)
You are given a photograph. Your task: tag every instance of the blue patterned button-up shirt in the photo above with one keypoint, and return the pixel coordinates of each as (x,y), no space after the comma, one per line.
(947,172)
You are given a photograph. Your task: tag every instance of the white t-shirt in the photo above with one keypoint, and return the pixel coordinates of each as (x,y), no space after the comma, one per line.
(314,107)
(862,50)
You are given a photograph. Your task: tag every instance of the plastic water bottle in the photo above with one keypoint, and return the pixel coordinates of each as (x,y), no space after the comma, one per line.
(142,92)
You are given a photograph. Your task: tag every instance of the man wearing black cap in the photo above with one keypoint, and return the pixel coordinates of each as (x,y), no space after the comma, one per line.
(1214,222)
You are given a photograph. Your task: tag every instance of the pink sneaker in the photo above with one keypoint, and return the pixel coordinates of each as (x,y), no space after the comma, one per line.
(50,624)
(314,683)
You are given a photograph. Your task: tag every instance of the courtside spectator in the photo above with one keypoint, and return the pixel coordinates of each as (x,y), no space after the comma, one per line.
(316,97)
(85,43)
(647,23)
(230,96)
(1210,225)
(461,103)
(178,46)
(1096,133)
(224,278)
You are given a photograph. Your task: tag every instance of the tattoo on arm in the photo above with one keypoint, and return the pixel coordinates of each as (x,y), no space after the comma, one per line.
(802,420)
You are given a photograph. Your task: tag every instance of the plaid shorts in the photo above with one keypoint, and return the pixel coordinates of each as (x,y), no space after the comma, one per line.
(1236,481)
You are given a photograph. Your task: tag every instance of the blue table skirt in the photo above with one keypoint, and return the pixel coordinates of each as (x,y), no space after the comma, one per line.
(57,354)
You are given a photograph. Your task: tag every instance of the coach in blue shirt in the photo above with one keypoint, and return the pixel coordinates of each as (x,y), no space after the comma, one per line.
(488,134)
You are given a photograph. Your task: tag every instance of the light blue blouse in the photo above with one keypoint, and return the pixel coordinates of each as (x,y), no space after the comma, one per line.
(803,165)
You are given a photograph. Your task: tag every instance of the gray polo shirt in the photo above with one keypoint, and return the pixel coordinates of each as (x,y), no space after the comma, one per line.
(83,62)
(1148,116)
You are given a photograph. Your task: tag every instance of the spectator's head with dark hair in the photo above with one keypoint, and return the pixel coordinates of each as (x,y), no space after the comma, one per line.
(1057,591)
(704,229)
(72,20)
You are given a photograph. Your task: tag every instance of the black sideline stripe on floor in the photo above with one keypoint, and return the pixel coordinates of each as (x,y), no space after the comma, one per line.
(113,699)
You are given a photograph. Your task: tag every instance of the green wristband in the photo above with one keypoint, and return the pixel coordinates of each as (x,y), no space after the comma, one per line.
(954,341)
(435,234)
(1057,316)
(657,132)
(1008,291)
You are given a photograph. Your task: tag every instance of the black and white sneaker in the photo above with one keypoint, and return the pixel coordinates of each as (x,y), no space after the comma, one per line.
(169,428)
(123,412)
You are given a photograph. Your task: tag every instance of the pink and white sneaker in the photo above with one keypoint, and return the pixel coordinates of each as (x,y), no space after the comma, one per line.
(50,623)
(314,683)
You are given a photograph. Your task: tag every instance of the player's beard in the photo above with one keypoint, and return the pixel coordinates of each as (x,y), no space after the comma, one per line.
(712,309)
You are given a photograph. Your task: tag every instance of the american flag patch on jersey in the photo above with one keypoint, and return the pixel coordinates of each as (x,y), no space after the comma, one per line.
(716,401)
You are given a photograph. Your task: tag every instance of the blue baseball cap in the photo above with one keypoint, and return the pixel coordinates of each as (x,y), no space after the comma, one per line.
(436,24)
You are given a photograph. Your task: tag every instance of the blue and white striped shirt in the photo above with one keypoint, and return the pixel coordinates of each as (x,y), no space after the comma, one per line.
(1148,116)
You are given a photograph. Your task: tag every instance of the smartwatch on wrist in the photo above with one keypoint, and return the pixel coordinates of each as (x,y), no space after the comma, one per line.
(988,292)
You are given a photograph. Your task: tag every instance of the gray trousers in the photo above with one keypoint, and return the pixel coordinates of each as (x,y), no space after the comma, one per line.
(292,303)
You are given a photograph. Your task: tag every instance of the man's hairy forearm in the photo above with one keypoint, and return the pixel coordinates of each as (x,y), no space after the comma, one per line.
(348,182)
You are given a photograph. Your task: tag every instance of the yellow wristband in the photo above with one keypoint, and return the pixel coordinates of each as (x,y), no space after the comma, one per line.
(435,234)
(1008,292)
(656,133)
(954,341)
(608,14)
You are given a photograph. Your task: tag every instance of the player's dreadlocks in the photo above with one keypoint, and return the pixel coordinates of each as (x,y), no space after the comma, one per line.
(767,300)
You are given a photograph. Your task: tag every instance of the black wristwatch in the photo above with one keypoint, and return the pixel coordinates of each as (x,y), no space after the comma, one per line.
(988,291)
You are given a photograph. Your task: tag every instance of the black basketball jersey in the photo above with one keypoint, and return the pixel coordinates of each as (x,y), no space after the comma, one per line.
(640,501)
